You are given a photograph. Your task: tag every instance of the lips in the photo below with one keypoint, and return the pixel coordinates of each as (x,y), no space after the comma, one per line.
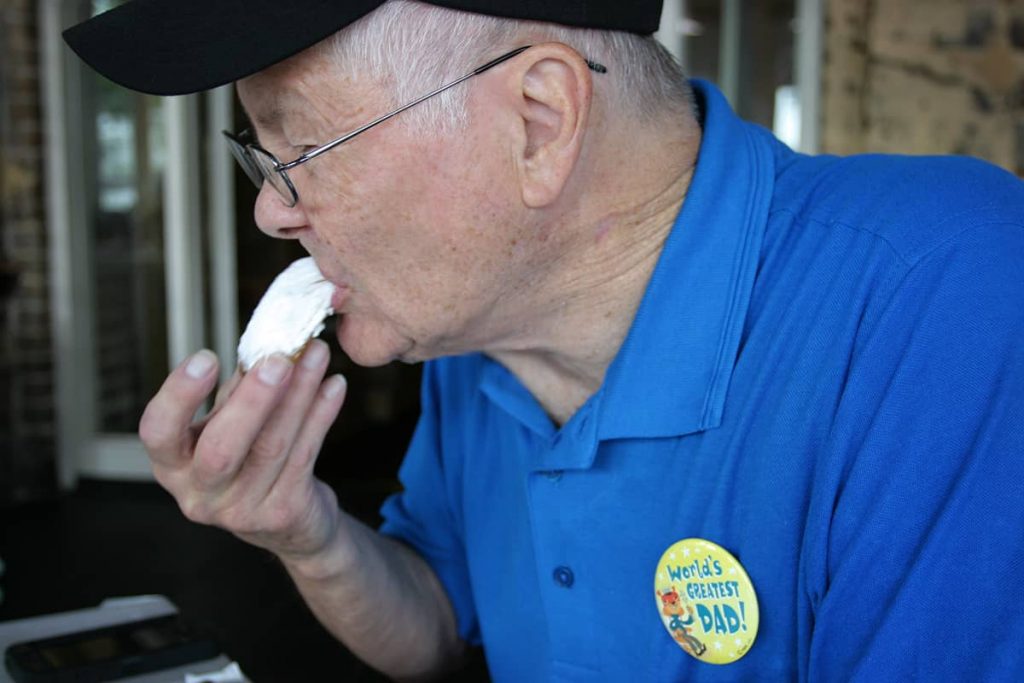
(341,291)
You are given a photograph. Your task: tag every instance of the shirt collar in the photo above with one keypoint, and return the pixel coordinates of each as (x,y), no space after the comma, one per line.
(671,375)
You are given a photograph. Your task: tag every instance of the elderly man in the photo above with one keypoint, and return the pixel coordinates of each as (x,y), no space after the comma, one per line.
(696,407)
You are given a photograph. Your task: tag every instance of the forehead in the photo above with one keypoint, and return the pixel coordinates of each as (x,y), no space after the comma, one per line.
(303,86)
(268,95)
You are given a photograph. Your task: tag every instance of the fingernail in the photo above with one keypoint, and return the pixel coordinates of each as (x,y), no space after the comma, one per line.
(314,355)
(273,369)
(200,364)
(334,386)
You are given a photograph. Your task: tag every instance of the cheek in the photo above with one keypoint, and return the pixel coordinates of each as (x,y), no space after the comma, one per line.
(370,233)
(417,224)
(468,192)
(477,233)
(332,196)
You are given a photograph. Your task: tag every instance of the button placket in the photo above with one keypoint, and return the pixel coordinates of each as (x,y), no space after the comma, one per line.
(570,610)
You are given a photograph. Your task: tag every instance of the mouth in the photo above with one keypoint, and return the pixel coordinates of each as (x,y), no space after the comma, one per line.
(339,298)
(342,291)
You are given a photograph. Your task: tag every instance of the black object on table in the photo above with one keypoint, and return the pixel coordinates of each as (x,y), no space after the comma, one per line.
(115,539)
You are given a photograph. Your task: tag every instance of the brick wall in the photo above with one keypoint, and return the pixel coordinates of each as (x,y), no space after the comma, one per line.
(925,76)
(27,420)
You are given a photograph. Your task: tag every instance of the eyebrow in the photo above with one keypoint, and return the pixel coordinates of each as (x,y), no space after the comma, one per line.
(271,118)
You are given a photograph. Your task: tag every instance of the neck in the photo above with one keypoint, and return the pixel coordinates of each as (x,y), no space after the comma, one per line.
(588,300)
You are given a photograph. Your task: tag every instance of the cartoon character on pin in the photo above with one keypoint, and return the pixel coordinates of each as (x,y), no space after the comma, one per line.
(673,606)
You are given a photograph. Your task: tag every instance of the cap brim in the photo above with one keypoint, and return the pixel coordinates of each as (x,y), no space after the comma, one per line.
(175,48)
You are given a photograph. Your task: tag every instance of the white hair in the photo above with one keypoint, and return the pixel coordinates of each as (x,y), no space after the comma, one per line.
(412,48)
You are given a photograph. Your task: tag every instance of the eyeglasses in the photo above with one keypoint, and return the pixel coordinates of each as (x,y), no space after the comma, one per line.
(260,165)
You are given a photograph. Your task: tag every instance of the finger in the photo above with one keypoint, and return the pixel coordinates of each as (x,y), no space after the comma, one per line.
(165,425)
(271,449)
(226,389)
(229,435)
(322,415)
(223,394)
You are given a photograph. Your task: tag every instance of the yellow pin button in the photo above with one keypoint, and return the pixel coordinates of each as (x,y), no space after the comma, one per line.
(706,601)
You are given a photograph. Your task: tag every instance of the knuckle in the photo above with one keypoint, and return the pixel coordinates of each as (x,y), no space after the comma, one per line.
(237,520)
(152,431)
(213,462)
(269,447)
(166,478)
(280,517)
(302,456)
(195,510)
(212,467)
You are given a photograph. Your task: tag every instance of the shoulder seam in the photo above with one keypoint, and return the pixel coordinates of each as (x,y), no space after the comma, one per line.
(817,221)
(911,260)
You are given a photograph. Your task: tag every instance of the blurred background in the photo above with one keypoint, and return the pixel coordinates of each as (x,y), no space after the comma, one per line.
(127,242)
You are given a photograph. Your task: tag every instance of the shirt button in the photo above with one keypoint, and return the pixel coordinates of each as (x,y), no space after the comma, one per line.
(553,475)
(563,577)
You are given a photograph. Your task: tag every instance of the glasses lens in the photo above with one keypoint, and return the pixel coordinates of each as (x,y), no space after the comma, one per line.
(245,161)
(268,168)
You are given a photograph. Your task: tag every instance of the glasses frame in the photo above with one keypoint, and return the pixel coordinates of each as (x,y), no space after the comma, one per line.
(246,151)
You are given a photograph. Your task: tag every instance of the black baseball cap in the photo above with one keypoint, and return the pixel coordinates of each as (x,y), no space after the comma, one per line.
(174,47)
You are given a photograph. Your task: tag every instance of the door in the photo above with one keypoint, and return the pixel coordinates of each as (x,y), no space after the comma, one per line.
(140,206)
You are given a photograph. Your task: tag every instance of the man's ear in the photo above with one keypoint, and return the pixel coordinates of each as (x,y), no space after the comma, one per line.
(553,91)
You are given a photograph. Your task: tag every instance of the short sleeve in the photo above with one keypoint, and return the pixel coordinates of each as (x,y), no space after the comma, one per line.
(921,561)
(421,515)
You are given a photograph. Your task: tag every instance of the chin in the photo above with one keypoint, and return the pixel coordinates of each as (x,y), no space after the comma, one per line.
(370,347)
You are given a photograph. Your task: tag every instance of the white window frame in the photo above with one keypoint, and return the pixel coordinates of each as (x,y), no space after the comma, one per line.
(810,40)
(810,27)
(83,450)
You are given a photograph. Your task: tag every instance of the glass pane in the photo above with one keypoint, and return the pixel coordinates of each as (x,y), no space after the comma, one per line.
(766,63)
(702,38)
(126,178)
(765,93)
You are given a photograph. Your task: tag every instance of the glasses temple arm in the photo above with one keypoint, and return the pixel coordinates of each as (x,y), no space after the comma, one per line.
(347,136)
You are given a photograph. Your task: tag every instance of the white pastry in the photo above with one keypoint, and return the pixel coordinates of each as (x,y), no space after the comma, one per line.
(291,313)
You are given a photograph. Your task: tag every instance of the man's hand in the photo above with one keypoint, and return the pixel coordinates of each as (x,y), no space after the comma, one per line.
(248,466)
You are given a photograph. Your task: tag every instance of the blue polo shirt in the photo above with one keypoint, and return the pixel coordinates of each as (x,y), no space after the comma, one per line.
(825,377)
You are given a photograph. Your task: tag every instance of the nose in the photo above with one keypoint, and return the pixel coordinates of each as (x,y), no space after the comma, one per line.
(274,216)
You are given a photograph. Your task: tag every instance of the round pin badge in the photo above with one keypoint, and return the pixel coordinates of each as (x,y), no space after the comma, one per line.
(706,601)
